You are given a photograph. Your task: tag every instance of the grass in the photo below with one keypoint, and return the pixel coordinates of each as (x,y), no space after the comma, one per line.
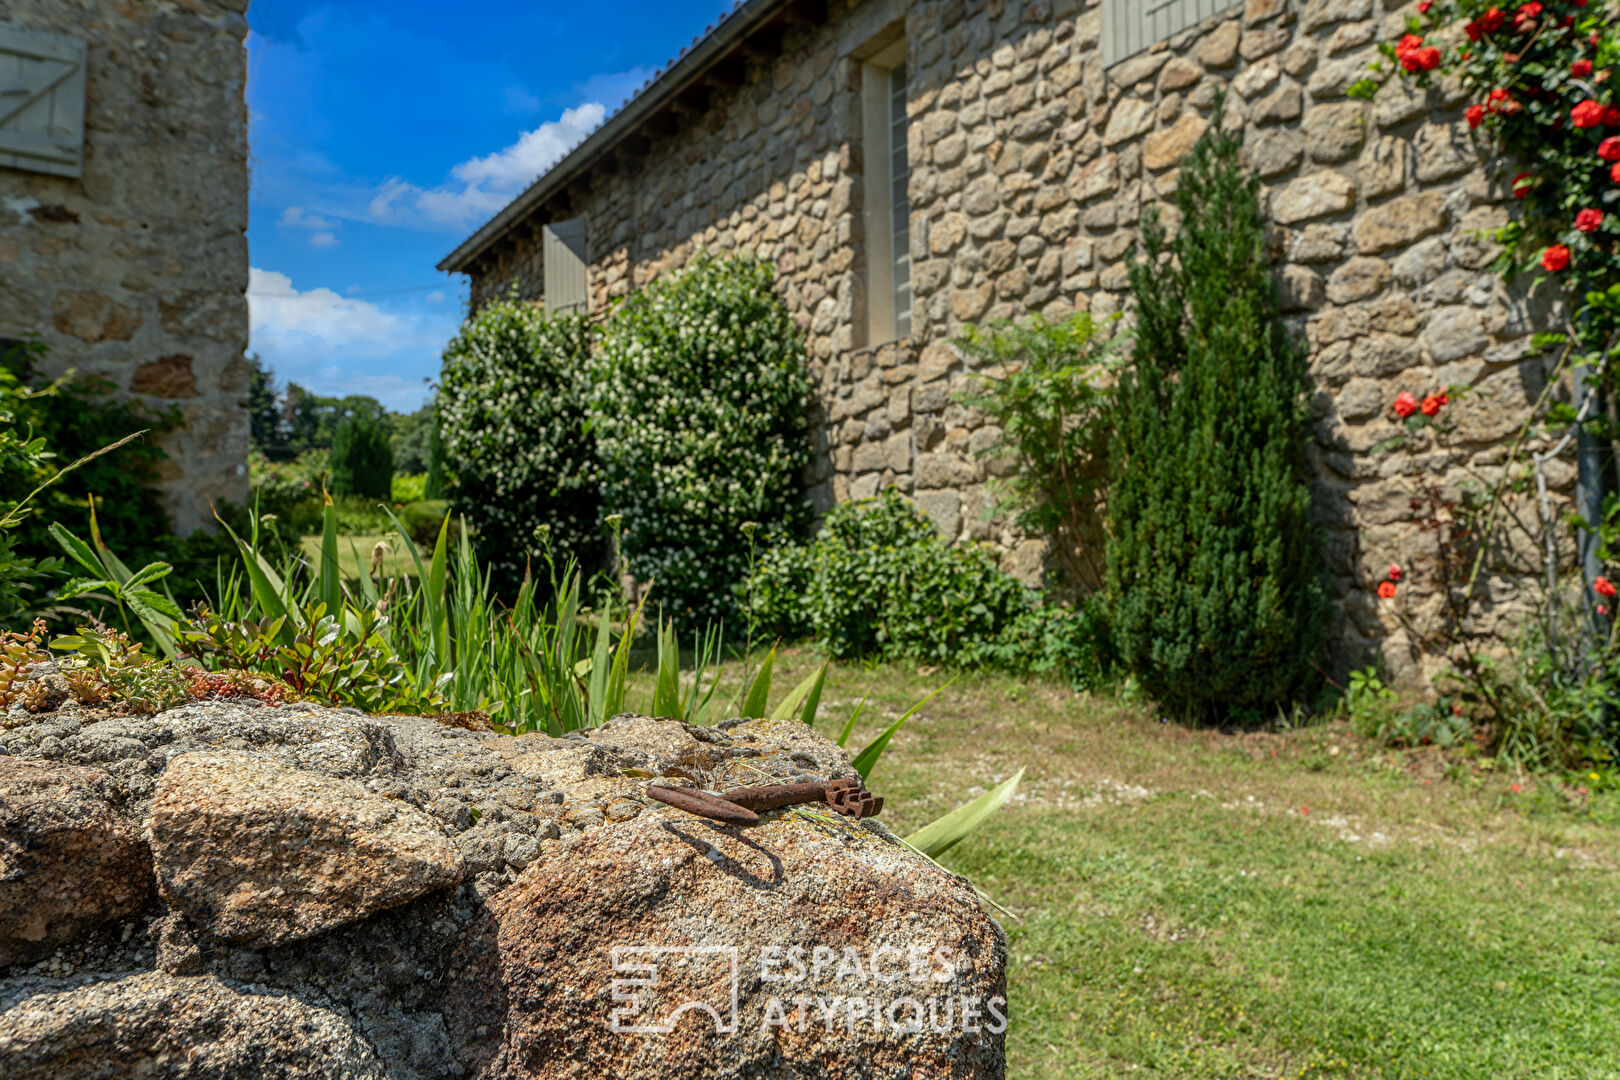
(354,554)
(1197,904)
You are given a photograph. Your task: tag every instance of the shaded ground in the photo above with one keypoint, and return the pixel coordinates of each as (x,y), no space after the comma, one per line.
(1264,905)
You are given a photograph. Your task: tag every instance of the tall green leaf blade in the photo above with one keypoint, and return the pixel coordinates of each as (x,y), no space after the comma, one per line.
(115,566)
(438,614)
(330,572)
(867,759)
(944,833)
(81,552)
(811,684)
(849,725)
(266,595)
(667,689)
(753,706)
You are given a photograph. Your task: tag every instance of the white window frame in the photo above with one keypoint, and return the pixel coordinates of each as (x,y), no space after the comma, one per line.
(886,208)
(1133,26)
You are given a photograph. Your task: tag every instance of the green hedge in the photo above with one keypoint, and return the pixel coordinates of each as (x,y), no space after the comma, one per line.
(878,580)
(700,392)
(517,450)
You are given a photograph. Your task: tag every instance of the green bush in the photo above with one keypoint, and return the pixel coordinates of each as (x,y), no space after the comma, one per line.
(423,518)
(1217,596)
(878,580)
(362,460)
(700,396)
(408,487)
(516,445)
(1047,386)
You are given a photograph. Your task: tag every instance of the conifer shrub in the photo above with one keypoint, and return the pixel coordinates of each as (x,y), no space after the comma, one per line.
(362,460)
(1217,599)
(514,447)
(700,392)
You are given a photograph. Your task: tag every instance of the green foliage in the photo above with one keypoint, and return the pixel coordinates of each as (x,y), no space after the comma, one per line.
(362,462)
(1218,603)
(408,488)
(511,412)
(1048,387)
(114,582)
(411,436)
(421,520)
(878,580)
(700,397)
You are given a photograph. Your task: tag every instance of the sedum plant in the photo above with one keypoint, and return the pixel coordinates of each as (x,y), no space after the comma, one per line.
(1216,591)
(700,393)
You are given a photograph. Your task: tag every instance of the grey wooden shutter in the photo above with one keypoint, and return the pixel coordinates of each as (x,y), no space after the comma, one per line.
(1130,26)
(41,101)
(562,256)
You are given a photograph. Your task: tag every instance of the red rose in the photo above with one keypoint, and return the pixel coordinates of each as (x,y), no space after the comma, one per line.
(1603,587)
(1472,30)
(1614,173)
(1405,404)
(1410,61)
(1431,405)
(1386,590)
(1492,20)
(1475,114)
(1588,220)
(1423,8)
(1394,572)
(1587,114)
(1581,68)
(1428,59)
(1611,116)
(1609,149)
(1555,258)
(1407,44)
(1522,185)
(1526,14)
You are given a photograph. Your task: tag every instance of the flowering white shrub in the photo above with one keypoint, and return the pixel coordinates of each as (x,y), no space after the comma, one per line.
(511,410)
(699,396)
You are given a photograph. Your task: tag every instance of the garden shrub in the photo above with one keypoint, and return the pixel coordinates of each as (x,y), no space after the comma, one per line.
(700,392)
(517,454)
(1048,387)
(422,520)
(879,580)
(1216,589)
(362,460)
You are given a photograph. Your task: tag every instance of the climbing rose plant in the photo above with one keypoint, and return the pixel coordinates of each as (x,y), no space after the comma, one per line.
(1540,76)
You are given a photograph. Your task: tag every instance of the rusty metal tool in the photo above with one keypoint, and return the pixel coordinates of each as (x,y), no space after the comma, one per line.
(775,796)
(850,799)
(703,804)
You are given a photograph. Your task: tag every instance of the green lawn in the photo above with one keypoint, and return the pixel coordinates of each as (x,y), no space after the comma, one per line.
(354,554)
(1203,905)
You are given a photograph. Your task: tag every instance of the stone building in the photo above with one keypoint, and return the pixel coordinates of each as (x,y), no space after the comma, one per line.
(123,214)
(913,166)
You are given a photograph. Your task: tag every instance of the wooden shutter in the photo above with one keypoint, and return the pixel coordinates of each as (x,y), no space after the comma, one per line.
(1130,26)
(41,101)
(562,256)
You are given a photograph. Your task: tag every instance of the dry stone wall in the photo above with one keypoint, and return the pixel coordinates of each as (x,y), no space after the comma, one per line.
(1031,167)
(137,271)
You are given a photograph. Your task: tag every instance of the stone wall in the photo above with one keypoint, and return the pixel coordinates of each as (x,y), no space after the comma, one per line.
(138,270)
(1031,166)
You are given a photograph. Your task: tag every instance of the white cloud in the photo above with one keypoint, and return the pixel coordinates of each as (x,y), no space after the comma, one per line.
(435,297)
(335,344)
(323,239)
(298,218)
(485,184)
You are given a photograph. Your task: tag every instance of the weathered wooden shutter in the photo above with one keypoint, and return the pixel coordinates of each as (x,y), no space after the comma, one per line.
(41,101)
(1130,26)
(562,256)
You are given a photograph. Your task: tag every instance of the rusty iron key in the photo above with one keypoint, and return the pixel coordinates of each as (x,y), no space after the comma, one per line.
(703,804)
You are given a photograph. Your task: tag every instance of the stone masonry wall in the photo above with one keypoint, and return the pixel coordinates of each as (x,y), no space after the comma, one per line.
(1031,166)
(138,270)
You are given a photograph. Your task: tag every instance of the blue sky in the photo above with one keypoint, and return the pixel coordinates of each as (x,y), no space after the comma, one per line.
(382,134)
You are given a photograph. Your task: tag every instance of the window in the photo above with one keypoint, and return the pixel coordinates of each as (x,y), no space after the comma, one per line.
(1130,26)
(887,213)
(41,101)
(562,265)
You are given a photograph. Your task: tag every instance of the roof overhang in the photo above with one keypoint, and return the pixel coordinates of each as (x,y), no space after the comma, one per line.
(735,39)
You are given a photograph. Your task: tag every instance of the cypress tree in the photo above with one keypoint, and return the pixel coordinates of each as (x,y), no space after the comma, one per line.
(1215,585)
(362,460)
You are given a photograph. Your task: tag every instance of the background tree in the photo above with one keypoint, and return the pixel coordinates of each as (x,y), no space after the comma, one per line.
(362,463)
(1218,601)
